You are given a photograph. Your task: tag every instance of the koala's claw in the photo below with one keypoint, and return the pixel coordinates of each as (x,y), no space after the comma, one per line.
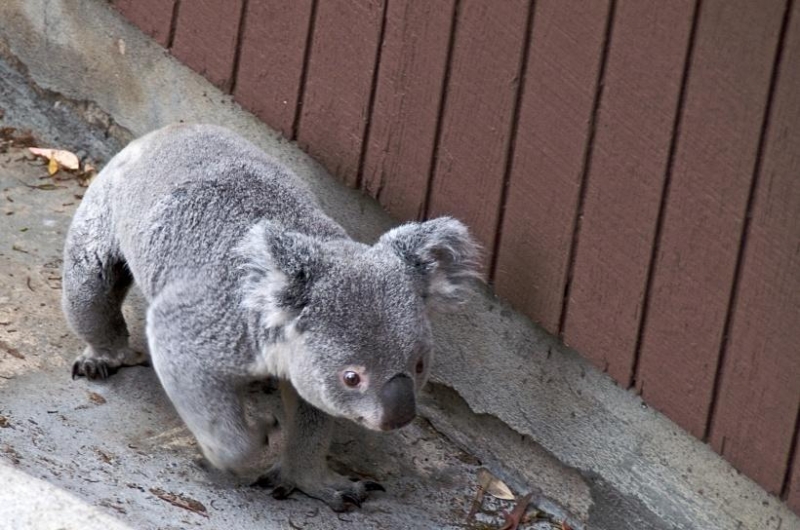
(92,369)
(372,486)
(351,498)
(282,492)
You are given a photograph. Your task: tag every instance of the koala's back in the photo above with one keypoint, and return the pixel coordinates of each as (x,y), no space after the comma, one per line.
(181,198)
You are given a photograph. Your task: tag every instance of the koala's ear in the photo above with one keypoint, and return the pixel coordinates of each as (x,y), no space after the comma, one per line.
(281,268)
(441,252)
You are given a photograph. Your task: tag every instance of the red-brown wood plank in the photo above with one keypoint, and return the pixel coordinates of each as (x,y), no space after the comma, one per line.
(154,17)
(397,163)
(759,392)
(339,77)
(478,113)
(793,492)
(642,83)
(547,165)
(724,107)
(205,38)
(271,57)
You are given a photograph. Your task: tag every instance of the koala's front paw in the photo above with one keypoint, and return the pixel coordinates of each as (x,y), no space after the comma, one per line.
(331,488)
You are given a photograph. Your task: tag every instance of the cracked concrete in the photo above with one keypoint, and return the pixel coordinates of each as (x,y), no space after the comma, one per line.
(505,394)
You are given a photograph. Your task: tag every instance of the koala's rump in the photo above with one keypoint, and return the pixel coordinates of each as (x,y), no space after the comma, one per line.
(181,198)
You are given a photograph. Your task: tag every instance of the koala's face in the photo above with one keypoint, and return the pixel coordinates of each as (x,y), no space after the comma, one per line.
(366,343)
(358,314)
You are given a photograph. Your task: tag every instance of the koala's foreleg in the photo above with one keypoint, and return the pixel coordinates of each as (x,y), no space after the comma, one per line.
(95,282)
(303,464)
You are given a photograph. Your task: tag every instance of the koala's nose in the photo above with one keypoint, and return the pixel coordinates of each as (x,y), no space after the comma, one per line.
(398,401)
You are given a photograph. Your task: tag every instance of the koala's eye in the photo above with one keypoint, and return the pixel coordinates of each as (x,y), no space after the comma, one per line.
(351,379)
(420,367)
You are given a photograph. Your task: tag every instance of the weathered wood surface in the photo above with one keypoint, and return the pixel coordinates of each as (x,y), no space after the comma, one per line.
(399,151)
(726,96)
(628,165)
(273,49)
(478,114)
(339,75)
(206,33)
(547,164)
(759,390)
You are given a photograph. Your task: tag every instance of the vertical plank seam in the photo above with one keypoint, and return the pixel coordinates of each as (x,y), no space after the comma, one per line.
(746,222)
(371,100)
(522,71)
(787,477)
(666,186)
(587,163)
(237,53)
(437,136)
(301,89)
(173,24)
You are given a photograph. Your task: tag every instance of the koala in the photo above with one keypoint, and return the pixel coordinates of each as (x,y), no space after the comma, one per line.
(246,278)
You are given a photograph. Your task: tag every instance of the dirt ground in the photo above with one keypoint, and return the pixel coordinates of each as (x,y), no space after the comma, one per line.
(118,445)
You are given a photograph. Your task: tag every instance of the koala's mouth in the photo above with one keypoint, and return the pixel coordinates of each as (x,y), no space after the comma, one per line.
(371,425)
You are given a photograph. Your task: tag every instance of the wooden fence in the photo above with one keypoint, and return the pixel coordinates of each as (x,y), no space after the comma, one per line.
(631,167)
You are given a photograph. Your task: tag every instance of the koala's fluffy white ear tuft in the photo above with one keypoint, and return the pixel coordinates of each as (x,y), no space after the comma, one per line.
(281,266)
(443,254)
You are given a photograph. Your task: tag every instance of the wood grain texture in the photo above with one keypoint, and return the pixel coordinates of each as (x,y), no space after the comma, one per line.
(759,393)
(715,155)
(547,164)
(478,113)
(154,17)
(399,156)
(793,491)
(629,160)
(339,77)
(205,38)
(271,60)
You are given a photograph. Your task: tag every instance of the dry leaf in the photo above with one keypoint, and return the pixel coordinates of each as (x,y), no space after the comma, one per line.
(52,167)
(181,501)
(66,159)
(494,486)
(11,350)
(45,187)
(94,397)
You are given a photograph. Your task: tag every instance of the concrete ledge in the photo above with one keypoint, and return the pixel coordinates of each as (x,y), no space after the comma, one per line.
(539,405)
(30,503)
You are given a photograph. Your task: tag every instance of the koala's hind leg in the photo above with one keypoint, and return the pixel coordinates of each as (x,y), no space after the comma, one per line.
(303,463)
(95,282)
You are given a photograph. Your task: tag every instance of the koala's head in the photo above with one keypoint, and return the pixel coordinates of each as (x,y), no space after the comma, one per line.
(356,316)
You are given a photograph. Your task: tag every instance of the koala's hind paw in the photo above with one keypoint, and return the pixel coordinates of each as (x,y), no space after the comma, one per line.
(94,366)
(93,369)
(334,490)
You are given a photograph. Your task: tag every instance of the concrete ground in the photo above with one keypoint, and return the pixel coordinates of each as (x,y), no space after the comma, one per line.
(118,445)
(505,395)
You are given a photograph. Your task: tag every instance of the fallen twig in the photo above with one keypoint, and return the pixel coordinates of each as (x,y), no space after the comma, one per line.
(180,501)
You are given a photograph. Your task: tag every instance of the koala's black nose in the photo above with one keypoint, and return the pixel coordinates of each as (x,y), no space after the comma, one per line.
(399,403)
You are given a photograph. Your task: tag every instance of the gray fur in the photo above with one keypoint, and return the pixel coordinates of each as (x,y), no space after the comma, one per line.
(246,278)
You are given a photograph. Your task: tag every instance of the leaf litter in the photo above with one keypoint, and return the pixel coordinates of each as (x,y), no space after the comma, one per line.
(13,137)
(61,159)
(519,515)
(181,501)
